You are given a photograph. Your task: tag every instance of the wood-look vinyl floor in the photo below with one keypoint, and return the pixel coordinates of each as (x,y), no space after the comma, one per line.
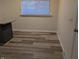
(30,45)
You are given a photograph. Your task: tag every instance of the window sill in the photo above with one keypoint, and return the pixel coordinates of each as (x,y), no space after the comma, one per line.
(36,15)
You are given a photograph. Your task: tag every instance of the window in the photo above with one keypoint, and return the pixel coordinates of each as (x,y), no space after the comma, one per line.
(35,7)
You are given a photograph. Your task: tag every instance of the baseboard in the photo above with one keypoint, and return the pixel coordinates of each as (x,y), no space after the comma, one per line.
(64,51)
(34,30)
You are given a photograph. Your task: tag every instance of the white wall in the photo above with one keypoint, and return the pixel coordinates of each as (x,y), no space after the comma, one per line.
(12,10)
(67,16)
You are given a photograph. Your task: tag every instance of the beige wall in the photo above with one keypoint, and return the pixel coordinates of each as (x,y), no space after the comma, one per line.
(66,18)
(1,9)
(75,48)
(12,11)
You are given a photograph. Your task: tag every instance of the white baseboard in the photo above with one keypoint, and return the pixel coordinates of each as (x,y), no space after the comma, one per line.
(34,30)
(64,51)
